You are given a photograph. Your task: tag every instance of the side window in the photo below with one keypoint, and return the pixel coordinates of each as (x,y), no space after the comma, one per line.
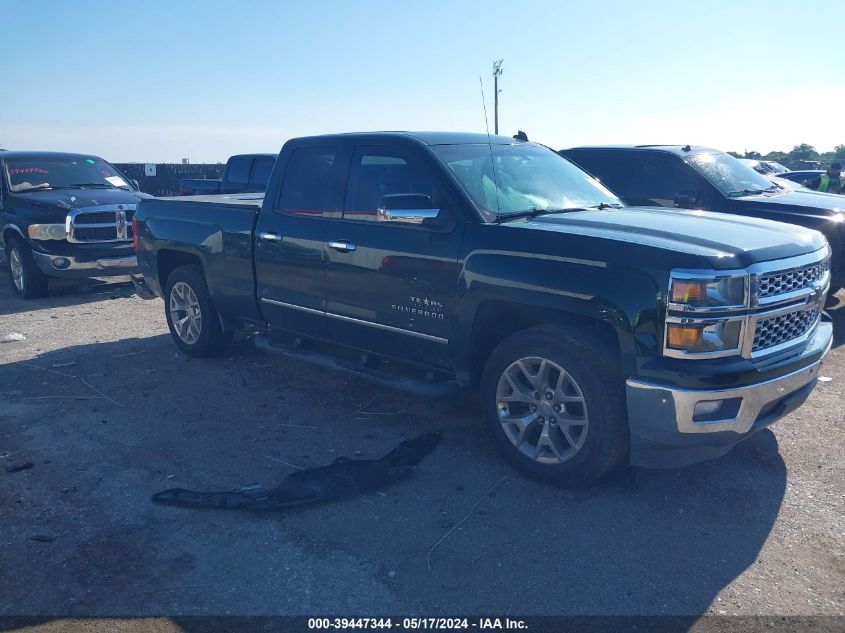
(613,171)
(238,170)
(261,170)
(309,184)
(380,171)
(658,181)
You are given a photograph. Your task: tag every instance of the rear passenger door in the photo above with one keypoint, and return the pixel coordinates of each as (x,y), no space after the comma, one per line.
(390,282)
(290,237)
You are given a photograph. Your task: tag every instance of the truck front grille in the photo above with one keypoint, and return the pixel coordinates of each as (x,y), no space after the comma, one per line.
(781,282)
(784,327)
(101,225)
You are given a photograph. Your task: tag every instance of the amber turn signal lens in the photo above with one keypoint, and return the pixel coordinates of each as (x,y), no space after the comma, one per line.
(688,292)
(684,337)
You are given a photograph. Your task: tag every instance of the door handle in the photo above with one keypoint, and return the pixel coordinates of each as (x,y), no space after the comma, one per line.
(270,236)
(343,247)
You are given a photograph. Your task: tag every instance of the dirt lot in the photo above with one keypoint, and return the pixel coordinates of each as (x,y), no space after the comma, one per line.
(108,413)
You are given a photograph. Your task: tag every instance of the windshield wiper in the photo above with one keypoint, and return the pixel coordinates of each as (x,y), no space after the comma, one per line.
(601,206)
(533,213)
(746,192)
(101,185)
(35,188)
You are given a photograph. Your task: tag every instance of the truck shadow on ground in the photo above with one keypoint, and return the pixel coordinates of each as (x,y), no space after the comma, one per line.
(64,293)
(640,543)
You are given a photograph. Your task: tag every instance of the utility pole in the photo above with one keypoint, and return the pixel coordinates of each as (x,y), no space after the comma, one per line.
(497,71)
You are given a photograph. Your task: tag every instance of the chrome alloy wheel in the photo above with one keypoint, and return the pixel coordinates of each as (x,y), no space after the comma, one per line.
(542,410)
(16,266)
(185,313)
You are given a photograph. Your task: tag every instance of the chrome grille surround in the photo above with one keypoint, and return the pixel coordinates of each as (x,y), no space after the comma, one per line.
(102,223)
(784,301)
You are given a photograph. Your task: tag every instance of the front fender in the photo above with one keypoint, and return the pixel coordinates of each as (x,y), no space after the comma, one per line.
(623,298)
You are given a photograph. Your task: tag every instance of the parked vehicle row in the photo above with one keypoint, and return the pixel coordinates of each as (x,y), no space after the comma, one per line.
(595,331)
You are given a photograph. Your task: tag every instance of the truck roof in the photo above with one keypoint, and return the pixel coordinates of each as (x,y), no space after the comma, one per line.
(427,138)
(680,150)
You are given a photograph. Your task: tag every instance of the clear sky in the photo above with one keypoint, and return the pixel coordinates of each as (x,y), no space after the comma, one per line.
(156,81)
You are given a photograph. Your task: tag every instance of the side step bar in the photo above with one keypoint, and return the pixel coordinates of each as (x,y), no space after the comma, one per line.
(413,386)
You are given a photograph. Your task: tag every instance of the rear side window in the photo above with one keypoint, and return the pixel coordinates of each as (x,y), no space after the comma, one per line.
(238,170)
(658,181)
(380,171)
(310,181)
(613,171)
(261,170)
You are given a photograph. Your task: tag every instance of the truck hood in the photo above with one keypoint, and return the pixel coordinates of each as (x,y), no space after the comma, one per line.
(60,201)
(822,205)
(724,241)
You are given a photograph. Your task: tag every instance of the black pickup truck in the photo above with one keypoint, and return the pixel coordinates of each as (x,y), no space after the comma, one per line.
(244,173)
(691,177)
(64,215)
(431,262)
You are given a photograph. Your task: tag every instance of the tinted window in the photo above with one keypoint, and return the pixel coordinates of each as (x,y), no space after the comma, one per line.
(378,172)
(614,171)
(309,183)
(261,171)
(238,170)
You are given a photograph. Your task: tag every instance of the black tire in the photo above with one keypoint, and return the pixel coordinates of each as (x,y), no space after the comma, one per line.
(31,283)
(595,372)
(211,340)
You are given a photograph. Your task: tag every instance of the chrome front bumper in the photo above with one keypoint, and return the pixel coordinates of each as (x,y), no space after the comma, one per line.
(666,432)
(53,266)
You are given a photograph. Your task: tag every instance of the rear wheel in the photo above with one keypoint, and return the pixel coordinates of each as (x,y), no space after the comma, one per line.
(555,404)
(27,280)
(191,316)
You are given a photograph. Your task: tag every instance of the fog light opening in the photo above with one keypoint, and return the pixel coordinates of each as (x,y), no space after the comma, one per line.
(61,262)
(716,410)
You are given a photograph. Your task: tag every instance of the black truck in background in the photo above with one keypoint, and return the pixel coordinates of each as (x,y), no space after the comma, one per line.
(432,262)
(691,177)
(244,173)
(64,215)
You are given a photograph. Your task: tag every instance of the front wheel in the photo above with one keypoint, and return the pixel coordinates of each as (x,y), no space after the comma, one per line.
(28,281)
(191,316)
(554,401)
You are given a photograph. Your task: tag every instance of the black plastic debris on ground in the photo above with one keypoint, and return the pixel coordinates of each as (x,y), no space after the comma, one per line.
(343,478)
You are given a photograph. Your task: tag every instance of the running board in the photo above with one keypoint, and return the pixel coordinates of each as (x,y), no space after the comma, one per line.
(413,386)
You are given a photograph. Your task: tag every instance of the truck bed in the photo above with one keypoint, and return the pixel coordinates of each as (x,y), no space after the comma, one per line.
(214,232)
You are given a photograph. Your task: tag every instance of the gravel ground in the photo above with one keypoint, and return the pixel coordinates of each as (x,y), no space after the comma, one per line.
(98,400)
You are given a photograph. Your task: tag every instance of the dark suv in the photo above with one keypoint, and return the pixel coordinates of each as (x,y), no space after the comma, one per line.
(690,177)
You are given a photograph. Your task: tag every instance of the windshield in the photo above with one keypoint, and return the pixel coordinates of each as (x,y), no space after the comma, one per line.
(527,177)
(28,174)
(730,176)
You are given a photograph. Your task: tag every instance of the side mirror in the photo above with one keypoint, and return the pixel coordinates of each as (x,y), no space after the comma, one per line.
(407,208)
(686,199)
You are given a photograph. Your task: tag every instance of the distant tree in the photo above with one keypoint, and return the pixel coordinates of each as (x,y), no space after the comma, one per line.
(754,155)
(803,152)
(777,157)
(735,154)
(839,151)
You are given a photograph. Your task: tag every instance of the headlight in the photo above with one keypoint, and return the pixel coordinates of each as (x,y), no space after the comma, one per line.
(47,231)
(696,338)
(717,292)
